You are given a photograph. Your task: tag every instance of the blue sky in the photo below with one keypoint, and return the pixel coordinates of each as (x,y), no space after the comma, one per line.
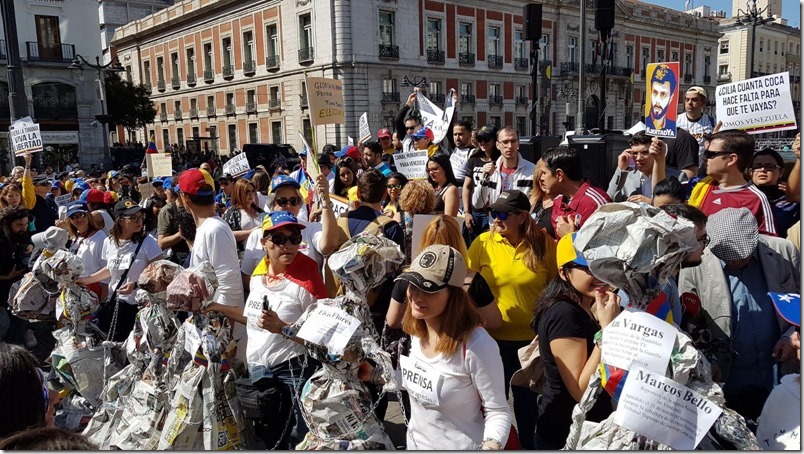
(790,8)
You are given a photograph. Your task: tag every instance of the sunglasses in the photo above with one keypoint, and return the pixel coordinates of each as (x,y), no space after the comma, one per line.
(503,216)
(768,167)
(705,240)
(76,216)
(393,186)
(284,201)
(410,128)
(280,239)
(714,154)
(134,218)
(489,139)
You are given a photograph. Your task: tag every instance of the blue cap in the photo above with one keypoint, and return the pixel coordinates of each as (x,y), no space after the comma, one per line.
(167,183)
(788,305)
(56,184)
(158,181)
(278,219)
(303,152)
(77,206)
(81,184)
(283,180)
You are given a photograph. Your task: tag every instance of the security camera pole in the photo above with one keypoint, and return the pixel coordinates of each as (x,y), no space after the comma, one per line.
(18,104)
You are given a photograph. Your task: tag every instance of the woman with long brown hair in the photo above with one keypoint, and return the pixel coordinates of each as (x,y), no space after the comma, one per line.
(10,195)
(244,214)
(541,202)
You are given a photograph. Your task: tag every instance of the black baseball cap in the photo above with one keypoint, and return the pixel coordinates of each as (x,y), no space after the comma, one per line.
(487,132)
(509,201)
(126,207)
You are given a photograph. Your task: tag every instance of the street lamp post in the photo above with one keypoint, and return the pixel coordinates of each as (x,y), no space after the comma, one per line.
(113,66)
(567,93)
(753,16)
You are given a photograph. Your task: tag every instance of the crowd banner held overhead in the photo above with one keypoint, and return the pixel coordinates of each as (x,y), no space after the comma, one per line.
(325,97)
(434,118)
(365,130)
(237,166)
(340,205)
(412,164)
(759,105)
(25,136)
(662,101)
(159,165)
(63,200)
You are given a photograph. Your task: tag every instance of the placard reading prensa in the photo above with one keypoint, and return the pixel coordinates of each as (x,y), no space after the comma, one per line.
(636,338)
(329,327)
(25,136)
(420,379)
(237,166)
(159,164)
(340,205)
(758,105)
(412,164)
(664,410)
(325,97)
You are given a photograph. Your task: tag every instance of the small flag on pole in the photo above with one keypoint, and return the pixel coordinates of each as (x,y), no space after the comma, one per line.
(151,148)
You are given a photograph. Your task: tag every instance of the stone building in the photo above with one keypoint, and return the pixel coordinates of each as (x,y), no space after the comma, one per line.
(114,13)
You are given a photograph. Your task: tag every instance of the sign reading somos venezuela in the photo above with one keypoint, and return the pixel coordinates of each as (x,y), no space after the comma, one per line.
(325,97)
(758,105)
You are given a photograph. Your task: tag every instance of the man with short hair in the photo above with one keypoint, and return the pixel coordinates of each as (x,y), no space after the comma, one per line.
(695,120)
(407,122)
(727,155)
(479,166)
(636,185)
(167,230)
(14,239)
(510,172)
(663,83)
(397,143)
(462,136)
(372,158)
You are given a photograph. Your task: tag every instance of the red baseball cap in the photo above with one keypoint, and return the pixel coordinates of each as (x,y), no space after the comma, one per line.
(196,182)
(422,133)
(95,196)
(349,150)
(383,133)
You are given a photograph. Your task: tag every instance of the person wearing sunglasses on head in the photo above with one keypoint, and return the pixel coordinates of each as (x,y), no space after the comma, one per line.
(86,241)
(766,169)
(477,169)
(517,260)
(287,283)
(728,156)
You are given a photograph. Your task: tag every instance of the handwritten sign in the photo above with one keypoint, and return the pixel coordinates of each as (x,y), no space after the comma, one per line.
(662,101)
(433,117)
(664,410)
(340,205)
(63,200)
(412,164)
(237,166)
(636,338)
(25,136)
(365,131)
(329,327)
(159,164)
(758,105)
(325,97)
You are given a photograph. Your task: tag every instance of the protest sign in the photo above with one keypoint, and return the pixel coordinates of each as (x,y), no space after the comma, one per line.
(433,117)
(63,200)
(237,166)
(662,101)
(664,410)
(146,190)
(329,327)
(421,380)
(420,221)
(636,338)
(325,97)
(25,137)
(159,165)
(350,140)
(365,131)
(412,164)
(340,205)
(758,105)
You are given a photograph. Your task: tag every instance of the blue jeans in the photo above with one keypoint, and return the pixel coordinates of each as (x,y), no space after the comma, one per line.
(294,376)
(525,409)
(482,222)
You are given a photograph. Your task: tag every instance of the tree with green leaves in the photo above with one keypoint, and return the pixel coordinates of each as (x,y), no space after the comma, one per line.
(128,104)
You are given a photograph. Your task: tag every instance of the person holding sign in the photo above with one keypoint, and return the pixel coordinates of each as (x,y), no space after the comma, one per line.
(454,372)
(34,194)
(662,103)
(566,325)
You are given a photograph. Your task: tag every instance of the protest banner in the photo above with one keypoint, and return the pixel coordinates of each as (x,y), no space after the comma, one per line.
(63,200)
(159,165)
(662,100)
(237,166)
(25,136)
(433,117)
(664,410)
(340,205)
(329,327)
(365,130)
(420,221)
(637,338)
(325,98)
(758,105)
(412,164)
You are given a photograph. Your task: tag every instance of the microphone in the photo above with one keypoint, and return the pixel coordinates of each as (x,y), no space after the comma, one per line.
(690,304)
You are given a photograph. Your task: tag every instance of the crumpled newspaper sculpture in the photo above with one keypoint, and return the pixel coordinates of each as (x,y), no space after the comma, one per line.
(154,280)
(181,295)
(636,247)
(34,297)
(63,267)
(336,404)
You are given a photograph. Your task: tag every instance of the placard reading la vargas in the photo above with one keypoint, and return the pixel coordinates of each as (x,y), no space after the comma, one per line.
(638,338)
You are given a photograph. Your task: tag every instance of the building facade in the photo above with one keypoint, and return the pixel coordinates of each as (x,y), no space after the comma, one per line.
(232,72)
(63,101)
(114,13)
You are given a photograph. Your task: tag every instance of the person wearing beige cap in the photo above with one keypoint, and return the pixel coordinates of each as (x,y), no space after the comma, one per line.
(694,120)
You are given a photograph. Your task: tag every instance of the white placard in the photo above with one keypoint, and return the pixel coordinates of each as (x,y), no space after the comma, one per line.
(433,117)
(458,161)
(325,100)
(664,410)
(636,338)
(146,190)
(159,164)
(412,164)
(758,105)
(253,309)
(350,140)
(237,166)
(25,137)
(420,379)
(365,131)
(63,200)
(340,205)
(329,327)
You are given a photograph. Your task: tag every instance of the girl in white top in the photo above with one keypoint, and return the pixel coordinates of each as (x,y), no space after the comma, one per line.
(244,215)
(454,373)
(87,242)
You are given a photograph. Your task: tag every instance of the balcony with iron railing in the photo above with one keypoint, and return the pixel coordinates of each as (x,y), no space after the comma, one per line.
(193,113)
(163,117)
(228,71)
(209,76)
(49,52)
(466,59)
(274,104)
(161,85)
(272,62)
(303,101)
(229,109)
(521,100)
(520,64)
(251,107)
(593,70)
(3,49)
(467,99)
(495,100)
(725,77)
(177,115)
(495,61)
(306,54)
(688,78)
(390,96)
(191,79)
(249,67)
(389,51)
(437,97)
(175,82)
(148,88)
(435,56)
(211,112)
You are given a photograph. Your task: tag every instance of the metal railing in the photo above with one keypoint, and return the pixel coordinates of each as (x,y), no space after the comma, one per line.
(435,56)
(707,80)
(389,51)
(272,62)
(303,101)
(468,99)
(160,85)
(437,97)
(249,67)
(228,71)
(306,54)
(466,59)
(522,100)
(390,96)
(211,112)
(148,88)
(495,61)
(209,75)
(49,52)
(193,113)
(229,109)
(175,82)
(520,64)
(688,78)
(177,115)
(495,100)
(190,78)
(251,107)
(163,116)
(274,104)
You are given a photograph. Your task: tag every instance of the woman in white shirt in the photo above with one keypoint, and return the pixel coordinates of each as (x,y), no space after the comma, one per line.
(244,214)
(87,243)
(454,374)
(128,248)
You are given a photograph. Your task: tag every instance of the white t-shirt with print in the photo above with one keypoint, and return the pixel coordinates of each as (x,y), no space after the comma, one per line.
(698,129)
(310,246)
(119,258)
(90,251)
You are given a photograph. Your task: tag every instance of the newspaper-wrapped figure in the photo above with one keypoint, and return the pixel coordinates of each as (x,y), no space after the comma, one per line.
(636,248)
(34,297)
(336,405)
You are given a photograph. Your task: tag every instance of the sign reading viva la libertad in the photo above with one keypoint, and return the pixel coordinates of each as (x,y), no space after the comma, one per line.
(25,136)
(758,105)
(325,97)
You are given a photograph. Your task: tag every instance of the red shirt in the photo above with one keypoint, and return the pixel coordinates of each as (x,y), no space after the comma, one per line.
(748,196)
(584,203)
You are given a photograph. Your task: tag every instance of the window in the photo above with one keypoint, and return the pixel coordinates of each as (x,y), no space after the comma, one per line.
(211,103)
(276,132)
(645,58)
(707,65)
(230,99)
(467,89)
(674,55)
(660,55)
(433,34)
(783,44)
(612,52)
(207,56)
(196,132)
(232,129)
(521,93)
(251,98)
(494,89)
(629,57)
(180,136)
(723,70)
(128,73)
(435,88)
(572,49)
(165,138)
(273,40)
(592,50)
(496,121)
(386,28)
(193,105)
(48,39)
(761,45)
(464,38)
(248,47)
(146,70)
(494,41)
(191,61)
(306,38)
(307,129)
(389,85)
(163,108)
(177,107)
(213,131)
(521,125)
(544,47)
(226,43)
(253,133)
(688,64)
(519,44)
(776,48)
(160,69)
(174,64)
(274,93)
(724,47)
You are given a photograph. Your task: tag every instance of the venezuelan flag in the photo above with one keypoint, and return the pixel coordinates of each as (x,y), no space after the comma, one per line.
(613,379)
(660,307)
(151,148)
(306,186)
(700,191)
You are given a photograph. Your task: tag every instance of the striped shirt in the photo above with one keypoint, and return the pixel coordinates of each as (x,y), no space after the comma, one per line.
(583,204)
(749,196)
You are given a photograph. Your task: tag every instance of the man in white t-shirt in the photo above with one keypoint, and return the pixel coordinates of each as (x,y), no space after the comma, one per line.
(694,120)
(214,243)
